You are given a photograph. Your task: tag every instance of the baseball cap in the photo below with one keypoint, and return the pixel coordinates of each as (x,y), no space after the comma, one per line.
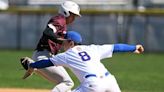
(73,36)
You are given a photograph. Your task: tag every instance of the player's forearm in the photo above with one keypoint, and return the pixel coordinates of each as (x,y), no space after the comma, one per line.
(124,48)
(41,64)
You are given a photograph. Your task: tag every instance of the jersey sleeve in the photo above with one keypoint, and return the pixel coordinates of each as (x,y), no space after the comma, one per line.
(59,60)
(105,51)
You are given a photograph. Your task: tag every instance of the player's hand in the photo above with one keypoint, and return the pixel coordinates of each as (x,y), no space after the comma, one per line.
(25,61)
(139,49)
(28,73)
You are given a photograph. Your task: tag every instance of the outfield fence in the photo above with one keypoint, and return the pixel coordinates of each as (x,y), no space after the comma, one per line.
(21,28)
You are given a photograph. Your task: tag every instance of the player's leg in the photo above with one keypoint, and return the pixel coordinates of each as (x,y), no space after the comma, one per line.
(90,85)
(57,75)
(112,85)
(87,89)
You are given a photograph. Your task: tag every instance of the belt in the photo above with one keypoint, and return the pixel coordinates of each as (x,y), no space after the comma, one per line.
(42,49)
(94,75)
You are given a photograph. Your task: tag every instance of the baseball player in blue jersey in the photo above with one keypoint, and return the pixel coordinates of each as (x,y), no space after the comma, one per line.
(85,63)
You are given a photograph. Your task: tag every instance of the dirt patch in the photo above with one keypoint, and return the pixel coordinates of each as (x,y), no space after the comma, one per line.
(22,90)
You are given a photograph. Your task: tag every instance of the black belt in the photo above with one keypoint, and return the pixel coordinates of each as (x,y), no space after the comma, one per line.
(94,75)
(42,49)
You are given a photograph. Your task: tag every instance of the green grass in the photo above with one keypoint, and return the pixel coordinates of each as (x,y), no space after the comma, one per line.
(138,73)
(11,71)
(134,73)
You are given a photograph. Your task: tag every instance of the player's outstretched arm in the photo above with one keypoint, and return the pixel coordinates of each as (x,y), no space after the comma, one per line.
(128,48)
(41,64)
(31,66)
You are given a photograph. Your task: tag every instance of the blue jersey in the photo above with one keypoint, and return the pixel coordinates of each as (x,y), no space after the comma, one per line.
(84,60)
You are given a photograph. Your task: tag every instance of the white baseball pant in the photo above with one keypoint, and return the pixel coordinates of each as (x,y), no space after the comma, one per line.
(55,74)
(95,84)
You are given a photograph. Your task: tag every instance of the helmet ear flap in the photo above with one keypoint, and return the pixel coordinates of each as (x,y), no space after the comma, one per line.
(66,13)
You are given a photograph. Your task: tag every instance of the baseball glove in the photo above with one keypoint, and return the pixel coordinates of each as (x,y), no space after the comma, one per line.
(25,61)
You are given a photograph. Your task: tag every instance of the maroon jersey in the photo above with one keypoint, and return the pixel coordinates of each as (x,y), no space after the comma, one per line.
(59,23)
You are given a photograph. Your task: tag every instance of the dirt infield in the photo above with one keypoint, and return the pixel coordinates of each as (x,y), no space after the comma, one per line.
(22,90)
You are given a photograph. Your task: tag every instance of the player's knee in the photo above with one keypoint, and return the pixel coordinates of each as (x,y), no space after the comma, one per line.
(64,86)
(69,84)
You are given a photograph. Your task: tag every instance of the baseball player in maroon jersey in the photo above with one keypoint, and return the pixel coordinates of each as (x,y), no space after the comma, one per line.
(50,43)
